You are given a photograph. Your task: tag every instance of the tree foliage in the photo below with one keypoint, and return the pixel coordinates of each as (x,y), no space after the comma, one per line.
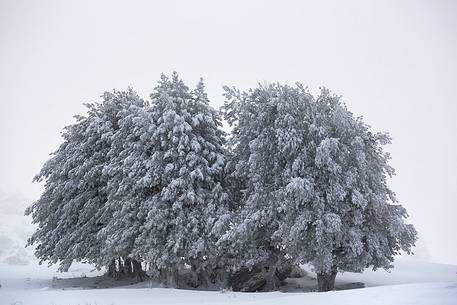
(155,183)
(315,182)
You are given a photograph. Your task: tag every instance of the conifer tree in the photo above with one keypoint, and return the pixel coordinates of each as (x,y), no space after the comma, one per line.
(185,214)
(71,211)
(127,188)
(316,184)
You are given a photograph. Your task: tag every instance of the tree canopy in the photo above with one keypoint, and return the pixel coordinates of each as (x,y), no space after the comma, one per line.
(315,182)
(158,185)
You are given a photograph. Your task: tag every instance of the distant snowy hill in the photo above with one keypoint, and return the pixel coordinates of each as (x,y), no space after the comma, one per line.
(15,228)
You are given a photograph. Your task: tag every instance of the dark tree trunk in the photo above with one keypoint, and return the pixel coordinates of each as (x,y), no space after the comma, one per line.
(262,277)
(112,268)
(137,270)
(172,277)
(128,267)
(199,275)
(247,279)
(120,272)
(326,281)
(163,276)
(169,277)
(271,280)
(203,278)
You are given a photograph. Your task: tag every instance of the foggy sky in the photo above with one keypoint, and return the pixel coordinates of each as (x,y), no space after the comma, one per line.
(394,62)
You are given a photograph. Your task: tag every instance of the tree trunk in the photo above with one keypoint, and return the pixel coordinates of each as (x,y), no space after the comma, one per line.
(137,270)
(115,269)
(202,278)
(271,281)
(172,277)
(112,268)
(120,268)
(128,267)
(199,274)
(162,276)
(326,281)
(125,268)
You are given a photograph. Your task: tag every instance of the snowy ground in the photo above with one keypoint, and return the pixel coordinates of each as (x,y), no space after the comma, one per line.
(23,282)
(411,282)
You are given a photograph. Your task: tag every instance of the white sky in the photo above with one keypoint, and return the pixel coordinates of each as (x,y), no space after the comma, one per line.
(394,62)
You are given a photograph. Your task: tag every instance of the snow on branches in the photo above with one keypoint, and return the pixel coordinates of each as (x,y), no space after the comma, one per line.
(157,184)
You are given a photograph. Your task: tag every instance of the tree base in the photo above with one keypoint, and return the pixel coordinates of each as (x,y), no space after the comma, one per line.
(259,278)
(326,281)
(126,268)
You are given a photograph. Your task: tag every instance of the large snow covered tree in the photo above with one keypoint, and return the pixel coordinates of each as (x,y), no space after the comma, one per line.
(254,169)
(314,184)
(71,211)
(185,212)
(136,182)
(127,188)
(303,181)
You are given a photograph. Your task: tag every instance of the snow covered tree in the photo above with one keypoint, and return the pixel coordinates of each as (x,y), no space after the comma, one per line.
(185,212)
(303,181)
(315,184)
(71,212)
(135,183)
(255,166)
(127,188)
